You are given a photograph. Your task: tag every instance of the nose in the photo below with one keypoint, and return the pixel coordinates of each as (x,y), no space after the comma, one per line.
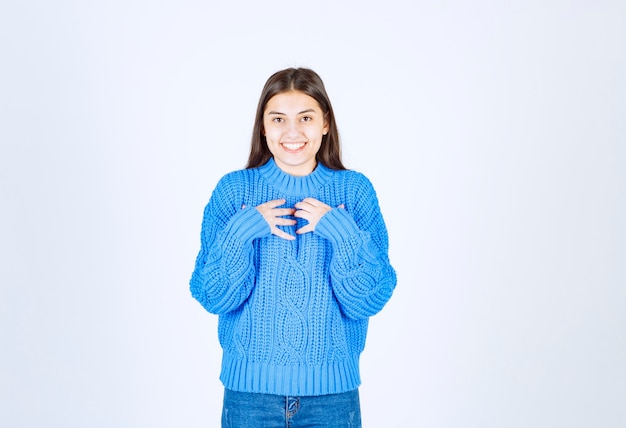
(294,129)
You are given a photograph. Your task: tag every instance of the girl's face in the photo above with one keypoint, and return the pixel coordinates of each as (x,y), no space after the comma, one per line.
(293,125)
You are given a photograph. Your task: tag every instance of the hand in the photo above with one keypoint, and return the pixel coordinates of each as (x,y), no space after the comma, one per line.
(274,217)
(312,210)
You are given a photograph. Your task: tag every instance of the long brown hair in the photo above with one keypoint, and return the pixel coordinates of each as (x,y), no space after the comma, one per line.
(308,82)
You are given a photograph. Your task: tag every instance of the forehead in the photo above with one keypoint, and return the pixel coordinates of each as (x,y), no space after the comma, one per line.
(290,102)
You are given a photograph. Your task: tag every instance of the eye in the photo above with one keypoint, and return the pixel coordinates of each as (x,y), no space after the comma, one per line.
(306,118)
(278,120)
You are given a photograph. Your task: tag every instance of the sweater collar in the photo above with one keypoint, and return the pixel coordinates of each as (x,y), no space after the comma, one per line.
(304,186)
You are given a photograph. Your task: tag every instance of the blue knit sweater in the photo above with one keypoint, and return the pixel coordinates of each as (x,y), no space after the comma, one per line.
(292,314)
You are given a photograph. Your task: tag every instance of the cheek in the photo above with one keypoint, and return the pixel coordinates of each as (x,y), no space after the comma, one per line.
(272,137)
(270,134)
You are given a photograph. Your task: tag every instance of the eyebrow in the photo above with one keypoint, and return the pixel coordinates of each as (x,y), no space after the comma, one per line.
(310,110)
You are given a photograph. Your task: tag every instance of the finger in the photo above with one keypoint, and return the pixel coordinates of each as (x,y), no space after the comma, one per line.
(305,229)
(277,201)
(306,207)
(302,205)
(313,201)
(307,215)
(273,203)
(278,212)
(243,206)
(341,206)
(284,222)
(313,204)
(268,209)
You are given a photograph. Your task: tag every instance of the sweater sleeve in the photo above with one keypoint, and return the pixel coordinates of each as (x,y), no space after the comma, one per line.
(224,272)
(361,275)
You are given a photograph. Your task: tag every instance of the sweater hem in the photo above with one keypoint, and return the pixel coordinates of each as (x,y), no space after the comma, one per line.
(295,379)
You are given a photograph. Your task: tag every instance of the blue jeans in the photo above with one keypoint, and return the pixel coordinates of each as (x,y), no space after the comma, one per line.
(246,410)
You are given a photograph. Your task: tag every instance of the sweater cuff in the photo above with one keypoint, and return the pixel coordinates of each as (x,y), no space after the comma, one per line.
(337,225)
(248,225)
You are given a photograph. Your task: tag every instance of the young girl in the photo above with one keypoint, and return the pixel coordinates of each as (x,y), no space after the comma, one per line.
(294,261)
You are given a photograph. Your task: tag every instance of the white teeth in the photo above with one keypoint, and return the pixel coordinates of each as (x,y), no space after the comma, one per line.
(293,146)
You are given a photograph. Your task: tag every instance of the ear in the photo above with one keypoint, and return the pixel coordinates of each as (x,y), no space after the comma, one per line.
(326,124)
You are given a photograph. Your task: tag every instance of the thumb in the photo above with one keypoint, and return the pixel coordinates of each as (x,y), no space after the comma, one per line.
(341,206)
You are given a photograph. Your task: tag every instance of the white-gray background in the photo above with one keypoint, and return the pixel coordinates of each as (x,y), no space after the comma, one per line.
(494,133)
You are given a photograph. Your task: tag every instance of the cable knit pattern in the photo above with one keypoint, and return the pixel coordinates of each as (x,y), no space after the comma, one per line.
(293,314)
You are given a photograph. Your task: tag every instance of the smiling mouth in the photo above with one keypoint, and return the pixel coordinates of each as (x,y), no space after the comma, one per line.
(293,147)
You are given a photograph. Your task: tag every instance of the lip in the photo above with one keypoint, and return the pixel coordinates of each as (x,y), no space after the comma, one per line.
(293,147)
